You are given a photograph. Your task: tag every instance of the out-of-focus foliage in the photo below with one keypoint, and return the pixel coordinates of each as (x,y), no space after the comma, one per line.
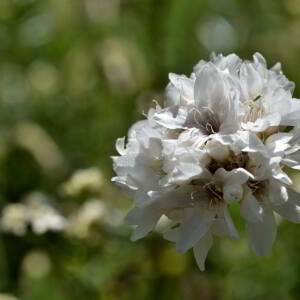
(74,74)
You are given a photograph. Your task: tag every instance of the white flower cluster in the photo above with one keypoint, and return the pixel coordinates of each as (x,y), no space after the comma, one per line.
(36,212)
(224,136)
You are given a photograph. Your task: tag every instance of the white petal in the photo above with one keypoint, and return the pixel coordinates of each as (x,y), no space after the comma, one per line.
(230,62)
(263,233)
(171,117)
(171,234)
(216,150)
(167,200)
(220,228)
(249,142)
(292,161)
(201,249)
(188,171)
(226,139)
(230,122)
(232,193)
(278,192)
(172,95)
(230,225)
(145,218)
(232,177)
(143,130)
(123,182)
(259,59)
(289,211)
(209,88)
(251,80)
(258,126)
(278,142)
(291,118)
(238,176)
(251,210)
(277,171)
(260,168)
(154,148)
(184,87)
(193,228)
(273,119)
(223,226)
(120,146)
(294,197)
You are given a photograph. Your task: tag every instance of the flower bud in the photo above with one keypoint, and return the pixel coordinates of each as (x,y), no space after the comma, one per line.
(217,151)
(205,159)
(233,193)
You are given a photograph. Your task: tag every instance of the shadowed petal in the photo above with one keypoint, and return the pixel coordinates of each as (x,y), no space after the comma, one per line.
(201,249)
(263,233)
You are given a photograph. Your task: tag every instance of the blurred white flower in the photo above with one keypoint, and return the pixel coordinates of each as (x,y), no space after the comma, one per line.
(87,180)
(217,34)
(14,219)
(41,215)
(36,140)
(44,78)
(36,264)
(92,211)
(102,10)
(34,211)
(219,140)
(7,297)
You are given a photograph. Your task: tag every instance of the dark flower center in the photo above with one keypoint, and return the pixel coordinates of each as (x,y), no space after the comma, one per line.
(257,188)
(233,162)
(210,194)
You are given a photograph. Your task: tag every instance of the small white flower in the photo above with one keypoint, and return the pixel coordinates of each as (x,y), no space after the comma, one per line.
(41,215)
(267,95)
(140,166)
(205,102)
(218,140)
(14,219)
(93,211)
(34,211)
(90,180)
(266,193)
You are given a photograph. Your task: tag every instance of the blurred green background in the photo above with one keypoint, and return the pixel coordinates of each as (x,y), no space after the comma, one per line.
(74,75)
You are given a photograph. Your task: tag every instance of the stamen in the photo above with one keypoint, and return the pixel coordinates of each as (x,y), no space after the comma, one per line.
(212,189)
(206,120)
(257,188)
(233,162)
(255,111)
(212,197)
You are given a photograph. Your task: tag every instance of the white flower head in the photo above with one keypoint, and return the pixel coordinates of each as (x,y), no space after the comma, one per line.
(220,139)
